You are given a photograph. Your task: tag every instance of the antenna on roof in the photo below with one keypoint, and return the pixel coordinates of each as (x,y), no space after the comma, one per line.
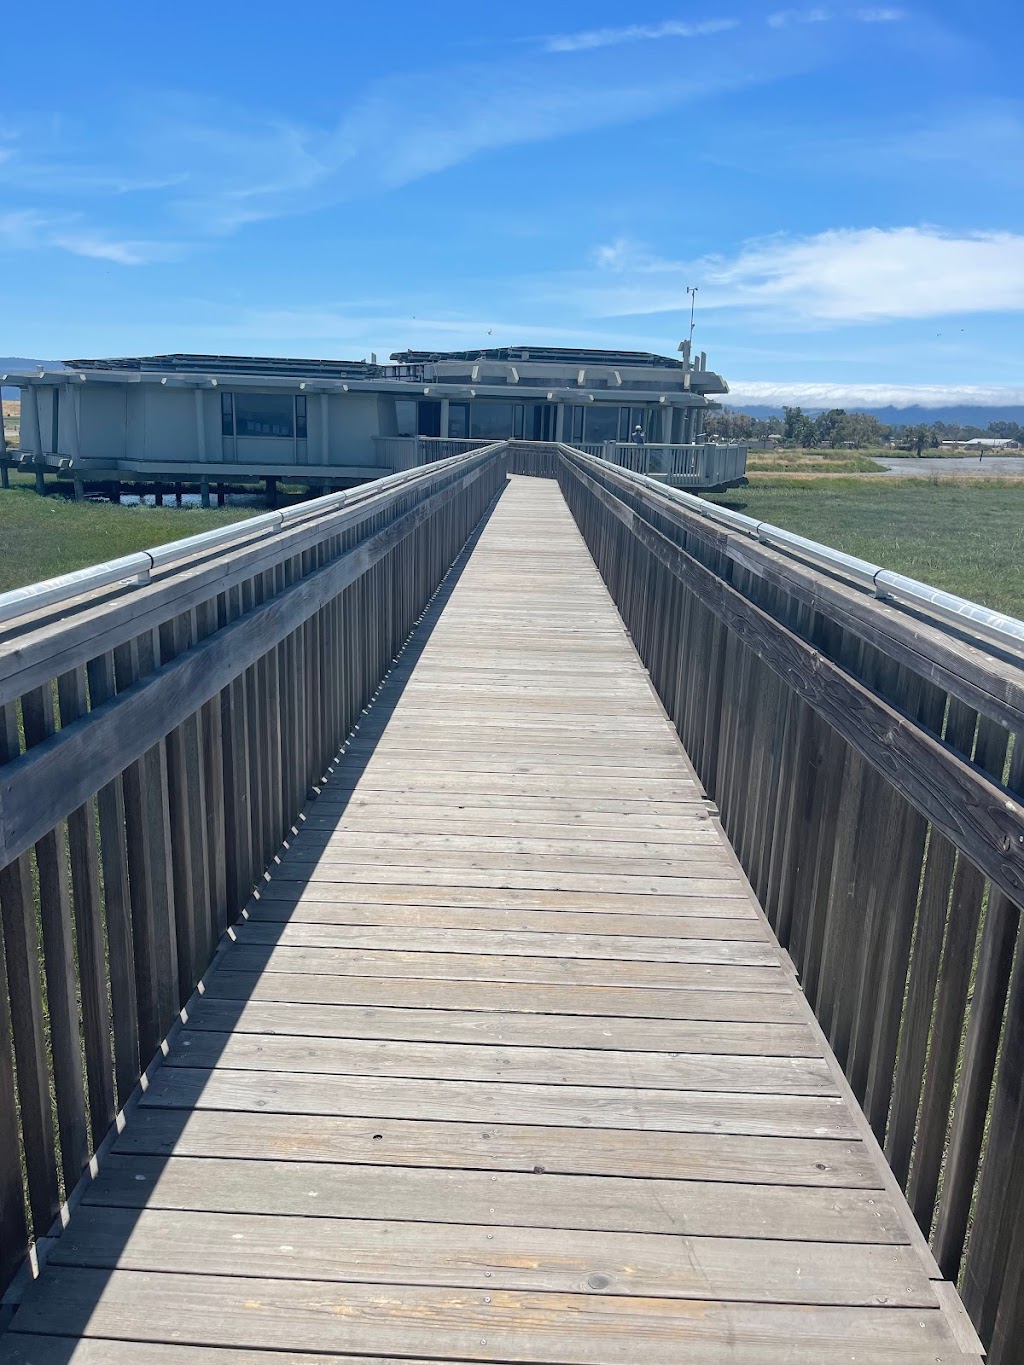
(691,291)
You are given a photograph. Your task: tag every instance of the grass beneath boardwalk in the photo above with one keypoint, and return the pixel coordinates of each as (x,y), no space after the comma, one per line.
(42,537)
(964,535)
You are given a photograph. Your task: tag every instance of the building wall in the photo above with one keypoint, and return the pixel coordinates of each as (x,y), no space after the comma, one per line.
(103,421)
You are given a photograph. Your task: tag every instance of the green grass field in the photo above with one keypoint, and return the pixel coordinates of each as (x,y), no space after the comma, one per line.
(41,537)
(964,535)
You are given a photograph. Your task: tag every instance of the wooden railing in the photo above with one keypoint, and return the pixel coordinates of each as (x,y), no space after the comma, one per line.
(867,758)
(410,452)
(705,465)
(162,721)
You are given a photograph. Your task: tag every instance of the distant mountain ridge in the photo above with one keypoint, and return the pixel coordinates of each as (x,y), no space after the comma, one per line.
(962,414)
(20,362)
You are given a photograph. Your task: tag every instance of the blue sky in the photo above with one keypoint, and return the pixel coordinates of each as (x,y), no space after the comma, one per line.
(844,183)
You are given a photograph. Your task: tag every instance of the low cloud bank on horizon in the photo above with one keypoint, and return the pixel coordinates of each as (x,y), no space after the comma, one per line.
(765,393)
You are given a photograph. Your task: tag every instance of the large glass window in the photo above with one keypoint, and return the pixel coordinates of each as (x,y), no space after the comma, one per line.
(517,422)
(602,424)
(405,416)
(300,416)
(458,420)
(493,421)
(264,414)
(429,418)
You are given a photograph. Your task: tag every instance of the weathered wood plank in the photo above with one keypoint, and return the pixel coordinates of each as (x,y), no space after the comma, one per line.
(513,943)
(484,967)
(685,1111)
(475,1145)
(498,1199)
(566,1261)
(556,1066)
(500,1326)
(518,1030)
(598,1002)
(733,920)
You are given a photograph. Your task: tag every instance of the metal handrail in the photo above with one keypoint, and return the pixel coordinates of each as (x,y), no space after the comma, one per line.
(135,570)
(951,609)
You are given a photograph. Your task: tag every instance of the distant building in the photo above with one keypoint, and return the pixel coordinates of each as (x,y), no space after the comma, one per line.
(982,443)
(189,417)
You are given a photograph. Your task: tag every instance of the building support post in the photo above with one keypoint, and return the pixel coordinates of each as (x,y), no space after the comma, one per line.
(5,478)
(325,430)
(200,426)
(204,492)
(698,425)
(158,495)
(79,490)
(667,425)
(220,495)
(444,418)
(40,481)
(560,423)
(271,490)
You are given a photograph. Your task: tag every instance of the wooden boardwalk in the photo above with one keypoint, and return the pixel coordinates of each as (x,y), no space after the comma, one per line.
(504,1064)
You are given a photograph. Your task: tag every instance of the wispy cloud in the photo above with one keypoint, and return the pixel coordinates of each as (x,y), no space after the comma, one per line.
(845,275)
(28,230)
(589,39)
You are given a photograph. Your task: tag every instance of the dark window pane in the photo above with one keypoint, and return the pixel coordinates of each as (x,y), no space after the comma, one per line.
(602,424)
(264,414)
(493,421)
(458,420)
(405,417)
(429,417)
(227,415)
(300,405)
(517,422)
(300,416)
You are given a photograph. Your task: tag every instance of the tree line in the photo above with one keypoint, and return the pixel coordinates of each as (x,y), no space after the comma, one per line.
(837,428)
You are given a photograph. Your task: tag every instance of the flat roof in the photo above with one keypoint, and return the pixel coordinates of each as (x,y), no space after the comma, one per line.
(184,363)
(563,355)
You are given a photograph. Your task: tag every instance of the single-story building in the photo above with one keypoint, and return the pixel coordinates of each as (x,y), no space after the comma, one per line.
(332,422)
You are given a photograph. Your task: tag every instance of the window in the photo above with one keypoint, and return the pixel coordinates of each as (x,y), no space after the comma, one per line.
(264,414)
(428,418)
(405,417)
(517,422)
(458,420)
(493,421)
(572,432)
(300,416)
(227,415)
(625,429)
(602,424)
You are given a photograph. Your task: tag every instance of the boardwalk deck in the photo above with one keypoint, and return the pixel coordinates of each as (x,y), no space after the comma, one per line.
(504,1063)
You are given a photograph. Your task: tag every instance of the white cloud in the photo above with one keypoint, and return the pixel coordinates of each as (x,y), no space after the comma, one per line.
(589,39)
(838,395)
(879,16)
(845,275)
(28,230)
(783,18)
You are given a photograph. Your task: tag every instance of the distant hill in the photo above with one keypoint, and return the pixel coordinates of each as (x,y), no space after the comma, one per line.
(20,362)
(964,414)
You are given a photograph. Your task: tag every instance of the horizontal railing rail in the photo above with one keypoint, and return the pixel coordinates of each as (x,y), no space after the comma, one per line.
(706,465)
(866,755)
(410,452)
(162,721)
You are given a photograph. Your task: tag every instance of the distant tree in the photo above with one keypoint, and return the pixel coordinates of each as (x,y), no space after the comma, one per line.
(797,428)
